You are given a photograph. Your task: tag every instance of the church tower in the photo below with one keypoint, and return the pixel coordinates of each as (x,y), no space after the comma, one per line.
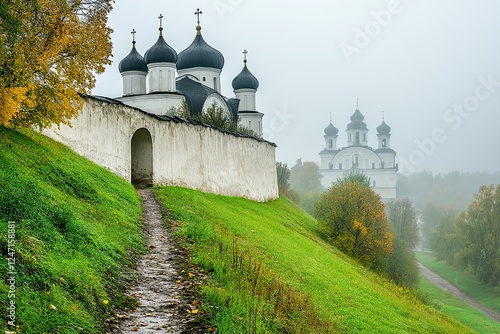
(357,132)
(331,134)
(201,61)
(161,59)
(245,86)
(134,71)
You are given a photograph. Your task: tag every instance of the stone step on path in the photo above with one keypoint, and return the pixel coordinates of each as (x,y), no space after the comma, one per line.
(157,292)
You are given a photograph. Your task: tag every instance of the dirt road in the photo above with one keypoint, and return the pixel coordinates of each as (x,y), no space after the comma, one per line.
(448,287)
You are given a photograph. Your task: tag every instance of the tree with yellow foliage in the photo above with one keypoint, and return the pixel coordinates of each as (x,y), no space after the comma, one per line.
(352,216)
(50,51)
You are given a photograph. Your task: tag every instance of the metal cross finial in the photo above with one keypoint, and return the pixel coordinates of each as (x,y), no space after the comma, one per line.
(133,35)
(357,103)
(245,56)
(197,13)
(160,17)
(383,116)
(330,117)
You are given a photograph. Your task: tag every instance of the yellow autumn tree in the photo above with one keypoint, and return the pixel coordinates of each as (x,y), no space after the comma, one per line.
(352,216)
(50,51)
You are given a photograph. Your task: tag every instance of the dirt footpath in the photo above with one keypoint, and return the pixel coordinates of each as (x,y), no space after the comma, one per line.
(448,287)
(156,291)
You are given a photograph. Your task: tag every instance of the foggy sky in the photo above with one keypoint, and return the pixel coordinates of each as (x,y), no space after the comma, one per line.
(432,66)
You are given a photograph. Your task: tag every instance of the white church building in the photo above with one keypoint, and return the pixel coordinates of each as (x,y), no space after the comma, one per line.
(163,79)
(379,164)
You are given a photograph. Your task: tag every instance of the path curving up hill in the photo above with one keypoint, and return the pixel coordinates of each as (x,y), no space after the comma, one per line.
(157,292)
(448,287)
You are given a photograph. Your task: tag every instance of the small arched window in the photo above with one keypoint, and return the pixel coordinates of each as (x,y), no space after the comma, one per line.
(384,143)
(330,143)
(364,136)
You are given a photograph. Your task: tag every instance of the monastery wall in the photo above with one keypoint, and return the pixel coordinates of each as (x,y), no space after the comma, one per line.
(170,151)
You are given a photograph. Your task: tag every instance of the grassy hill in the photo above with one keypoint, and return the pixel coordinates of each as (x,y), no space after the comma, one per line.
(269,272)
(75,226)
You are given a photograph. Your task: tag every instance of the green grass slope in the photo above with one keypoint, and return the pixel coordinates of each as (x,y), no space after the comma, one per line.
(269,272)
(76,227)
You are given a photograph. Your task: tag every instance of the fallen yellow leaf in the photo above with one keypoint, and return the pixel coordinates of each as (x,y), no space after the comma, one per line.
(195,311)
(105,301)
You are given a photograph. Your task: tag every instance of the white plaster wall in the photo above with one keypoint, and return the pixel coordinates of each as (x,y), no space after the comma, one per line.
(187,155)
(134,82)
(385,180)
(162,77)
(158,104)
(247,99)
(252,121)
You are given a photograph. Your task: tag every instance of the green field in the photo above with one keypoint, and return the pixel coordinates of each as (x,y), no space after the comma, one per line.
(76,226)
(455,307)
(270,272)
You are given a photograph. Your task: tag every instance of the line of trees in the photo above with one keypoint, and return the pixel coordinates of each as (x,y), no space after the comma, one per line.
(470,241)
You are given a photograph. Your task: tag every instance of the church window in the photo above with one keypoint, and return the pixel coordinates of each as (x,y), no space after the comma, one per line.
(330,143)
(204,79)
(350,138)
(384,143)
(356,161)
(373,165)
(374,183)
(364,136)
(215,83)
(340,165)
(382,165)
(356,140)
(249,124)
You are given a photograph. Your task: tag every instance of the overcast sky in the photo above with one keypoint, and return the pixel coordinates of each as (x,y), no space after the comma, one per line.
(432,66)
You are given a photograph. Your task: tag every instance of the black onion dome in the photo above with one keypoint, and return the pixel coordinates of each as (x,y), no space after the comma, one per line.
(133,62)
(383,129)
(245,80)
(331,130)
(161,52)
(200,54)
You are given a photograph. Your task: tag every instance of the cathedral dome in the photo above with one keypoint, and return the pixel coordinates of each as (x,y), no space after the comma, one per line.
(133,62)
(357,121)
(383,129)
(331,130)
(245,80)
(357,116)
(200,54)
(161,52)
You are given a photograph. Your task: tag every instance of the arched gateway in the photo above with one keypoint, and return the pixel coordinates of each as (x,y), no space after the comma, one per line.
(142,158)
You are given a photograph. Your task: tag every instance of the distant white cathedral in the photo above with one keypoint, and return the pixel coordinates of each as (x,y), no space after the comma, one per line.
(378,164)
(192,76)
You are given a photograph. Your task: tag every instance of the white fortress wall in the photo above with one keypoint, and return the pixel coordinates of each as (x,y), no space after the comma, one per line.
(183,154)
